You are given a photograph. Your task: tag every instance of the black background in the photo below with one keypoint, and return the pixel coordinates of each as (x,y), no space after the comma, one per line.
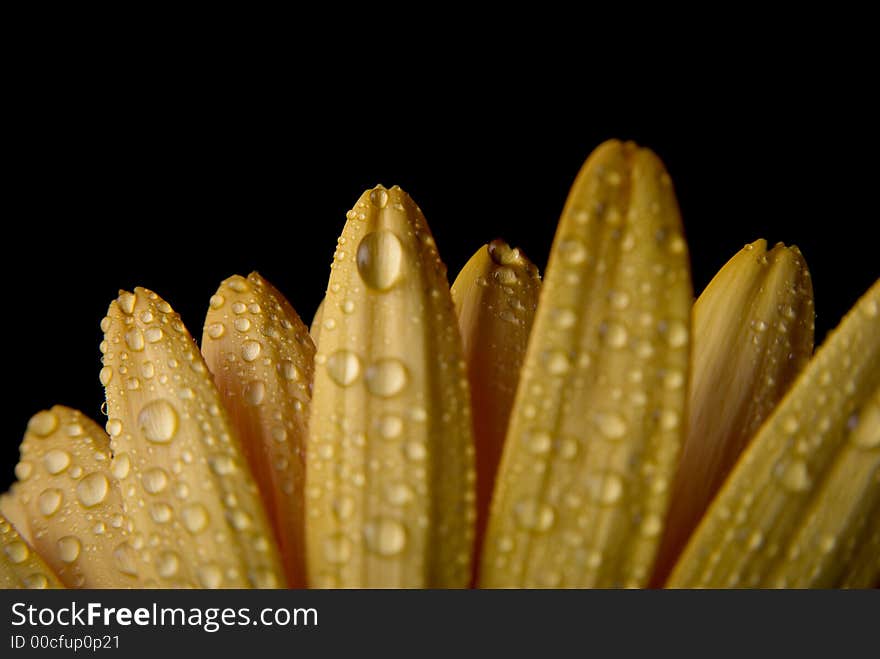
(174,180)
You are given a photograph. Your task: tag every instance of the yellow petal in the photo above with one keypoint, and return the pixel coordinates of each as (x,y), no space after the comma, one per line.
(267,398)
(20,565)
(173,445)
(315,329)
(752,335)
(596,427)
(801,495)
(73,503)
(14,511)
(390,473)
(495,295)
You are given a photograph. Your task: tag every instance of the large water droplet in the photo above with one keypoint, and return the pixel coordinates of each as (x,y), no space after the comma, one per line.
(194,517)
(215,330)
(42,424)
(56,461)
(17,551)
(385,536)
(92,489)
(49,501)
(68,548)
(250,350)
(794,475)
(380,260)
(379,197)
(134,339)
(343,367)
(154,480)
(126,559)
(254,392)
(158,421)
(386,377)
(105,375)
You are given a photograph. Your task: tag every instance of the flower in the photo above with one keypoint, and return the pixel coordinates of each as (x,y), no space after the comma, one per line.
(595,429)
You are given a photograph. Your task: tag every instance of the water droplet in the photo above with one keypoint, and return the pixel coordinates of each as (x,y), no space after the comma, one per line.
(210,576)
(794,475)
(167,564)
(238,284)
(242,324)
(556,362)
(416,451)
(610,424)
(390,426)
(148,370)
(222,464)
(676,334)
(399,494)
(126,559)
(506,276)
(17,551)
(50,501)
(254,392)
(343,507)
(215,330)
(535,516)
(289,371)
(92,489)
(126,302)
(250,350)
(619,300)
(673,380)
(121,466)
(565,318)
(217,301)
(386,377)
(134,339)
(161,513)
(158,421)
(380,260)
(337,548)
(615,334)
(343,367)
(23,470)
(56,461)
(379,197)
(279,434)
(385,536)
(668,419)
(42,424)
(651,526)
(69,548)
(154,480)
(105,375)
(572,251)
(194,517)
(538,442)
(153,334)
(113,427)
(607,489)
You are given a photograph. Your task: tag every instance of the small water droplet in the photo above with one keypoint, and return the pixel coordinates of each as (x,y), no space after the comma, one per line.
(126,559)
(126,302)
(337,549)
(121,466)
(676,334)
(380,260)
(564,317)
(113,427)
(615,334)
(538,442)
(289,371)
(250,350)
(153,334)
(242,324)
(210,576)
(134,339)
(217,301)
(105,375)
(167,564)
(794,475)
(619,300)
(556,362)
(399,494)
(222,464)
(390,426)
